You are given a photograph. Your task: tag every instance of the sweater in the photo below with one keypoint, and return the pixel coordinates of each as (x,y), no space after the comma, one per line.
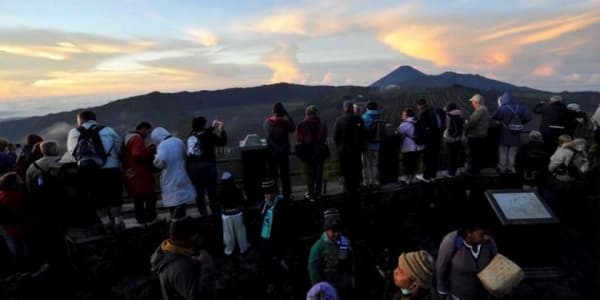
(478,124)
(331,262)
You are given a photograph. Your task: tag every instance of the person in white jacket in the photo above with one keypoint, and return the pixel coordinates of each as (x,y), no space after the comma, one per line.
(175,185)
(411,152)
(103,187)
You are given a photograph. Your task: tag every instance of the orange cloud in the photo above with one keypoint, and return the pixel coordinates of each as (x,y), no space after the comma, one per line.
(64,50)
(421,42)
(282,61)
(544,71)
(287,22)
(327,78)
(204,37)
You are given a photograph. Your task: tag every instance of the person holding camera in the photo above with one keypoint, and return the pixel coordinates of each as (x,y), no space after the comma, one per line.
(202,160)
(8,156)
(277,128)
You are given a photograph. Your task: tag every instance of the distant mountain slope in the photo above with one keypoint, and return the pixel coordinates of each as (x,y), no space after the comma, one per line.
(407,76)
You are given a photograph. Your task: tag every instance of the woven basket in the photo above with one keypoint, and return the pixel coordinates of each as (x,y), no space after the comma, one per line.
(500,276)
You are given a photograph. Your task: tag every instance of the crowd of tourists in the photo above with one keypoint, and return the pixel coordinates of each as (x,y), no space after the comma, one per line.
(99,163)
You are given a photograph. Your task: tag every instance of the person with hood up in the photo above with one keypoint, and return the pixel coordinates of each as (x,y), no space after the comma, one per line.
(139,178)
(556,120)
(175,185)
(371,117)
(8,157)
(277,128)
(512,116)
(311,136)
(31,152)
(184,272)
(453,136)
(580,125)
(232,213)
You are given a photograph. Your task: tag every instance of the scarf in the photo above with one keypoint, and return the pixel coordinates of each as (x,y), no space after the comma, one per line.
(170,247)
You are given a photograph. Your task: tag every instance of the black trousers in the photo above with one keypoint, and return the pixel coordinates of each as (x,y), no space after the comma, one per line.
(279,167)
(453,156)
(351,170)
(410,161)
(476,149)
(145,208)
(431,155)
(204,179)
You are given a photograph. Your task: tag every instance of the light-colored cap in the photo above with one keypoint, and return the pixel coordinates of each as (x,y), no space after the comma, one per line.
(476,98)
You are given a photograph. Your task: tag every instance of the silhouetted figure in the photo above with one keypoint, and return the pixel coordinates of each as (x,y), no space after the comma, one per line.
(29,153)
(373,131)
(433,122)
(311,135)
(139,177)
(532,161)
(454,136)
(202,160)
(411,151)
(277,128)
(349,137)
(556,120)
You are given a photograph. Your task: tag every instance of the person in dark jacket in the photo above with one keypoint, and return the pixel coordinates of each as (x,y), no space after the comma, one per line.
(371,119)
(512,116)
(433,121)
(185,273)
(29,153)
(232,202)
(532,161)
(18,231)
(454,136)
(202,160)
(277,128)
(463,253)
(311,135)
(556,121)
(139,178)
(349,138)
(8,157)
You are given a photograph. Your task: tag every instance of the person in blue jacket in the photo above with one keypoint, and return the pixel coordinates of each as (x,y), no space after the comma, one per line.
(512,117)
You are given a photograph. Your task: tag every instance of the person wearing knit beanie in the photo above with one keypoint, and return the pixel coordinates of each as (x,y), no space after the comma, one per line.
(414,272)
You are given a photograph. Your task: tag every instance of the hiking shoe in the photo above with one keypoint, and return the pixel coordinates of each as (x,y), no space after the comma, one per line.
(309,197)
(422,178)
(403,179)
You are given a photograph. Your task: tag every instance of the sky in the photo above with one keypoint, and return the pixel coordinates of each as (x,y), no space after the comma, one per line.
(58,55)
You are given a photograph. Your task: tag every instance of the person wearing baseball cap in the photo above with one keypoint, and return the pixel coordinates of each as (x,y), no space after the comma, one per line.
(476,129)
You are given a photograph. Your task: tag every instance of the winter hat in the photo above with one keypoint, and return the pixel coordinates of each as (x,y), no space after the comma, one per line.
(535,135)
(311,110)
(419,264)
(332,219)
(322,291)
(574,107)
(181,229)
(555,98)
(268,185)
(31,139)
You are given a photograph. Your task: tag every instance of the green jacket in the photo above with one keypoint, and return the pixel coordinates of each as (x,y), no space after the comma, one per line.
(329,262)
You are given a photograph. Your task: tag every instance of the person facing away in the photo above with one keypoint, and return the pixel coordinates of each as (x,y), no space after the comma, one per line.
(463,253)
(454,136)
(139,178)
(433,121)
(8,157)
(512,116)
(411,151)
(330,257)
(202,160)
(414,275)
(101,186)
(278,127)
(349,138)
(29,153)
(371,152)
(185,272)
(311,134)
(532,161)
(232,202)
(476,128)
(556,120)
(14,219)
(175,185)
(581,123)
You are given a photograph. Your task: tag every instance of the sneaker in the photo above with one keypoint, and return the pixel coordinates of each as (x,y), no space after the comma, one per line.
(309,197)
(403,179)
(423,179)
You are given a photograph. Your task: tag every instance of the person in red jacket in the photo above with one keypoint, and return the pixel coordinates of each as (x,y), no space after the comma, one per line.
(137,163)
(13,217)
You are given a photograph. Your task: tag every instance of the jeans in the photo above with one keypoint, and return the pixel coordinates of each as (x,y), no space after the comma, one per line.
(279,167)
(506,157)
(370,172)
(204,179)
(313,171)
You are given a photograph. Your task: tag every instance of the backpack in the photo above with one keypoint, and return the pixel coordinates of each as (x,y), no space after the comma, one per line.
(419,133)
(515,124)
(89,151)
(376,132)
(456,127)
(197,150)
(578,165)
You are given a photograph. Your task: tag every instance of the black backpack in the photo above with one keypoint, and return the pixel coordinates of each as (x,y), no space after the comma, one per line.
(376,132)
(419,133)
(89,152)
(456,126)
(515,124)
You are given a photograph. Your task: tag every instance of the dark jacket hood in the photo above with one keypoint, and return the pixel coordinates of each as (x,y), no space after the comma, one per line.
(506,99)
(161,259)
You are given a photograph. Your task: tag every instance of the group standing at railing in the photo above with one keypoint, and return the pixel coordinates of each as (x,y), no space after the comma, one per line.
(98,161)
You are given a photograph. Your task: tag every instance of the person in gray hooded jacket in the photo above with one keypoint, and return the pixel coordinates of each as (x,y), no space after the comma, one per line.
(185,273)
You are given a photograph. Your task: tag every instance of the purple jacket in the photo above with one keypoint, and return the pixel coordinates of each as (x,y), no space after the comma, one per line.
(504,114)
